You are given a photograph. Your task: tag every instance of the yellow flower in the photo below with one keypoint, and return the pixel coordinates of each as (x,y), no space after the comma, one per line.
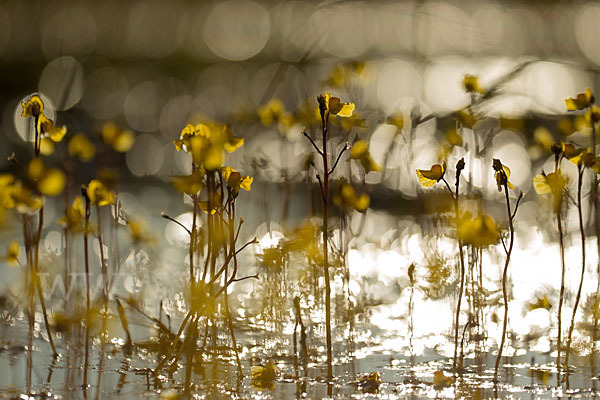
(360,152)
(22,199)
(554,183)
(139,232)
(593,115)
(100,194)
(50,181)
(80,146)
(46,126)
(74,216)
(235,180)
(33,107)
(582,101)
(501,174)
(333,105)
(471,84)
(121,140)
(573,153)
(430,177)
(12,254)
(206,142)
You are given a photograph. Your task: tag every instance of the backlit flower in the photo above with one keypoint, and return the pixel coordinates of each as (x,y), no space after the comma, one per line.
(33,107)
(581,101)
(429,177)
(501,174)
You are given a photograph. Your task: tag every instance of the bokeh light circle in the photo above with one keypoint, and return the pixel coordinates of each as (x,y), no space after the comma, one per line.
(237,29)
(62,81)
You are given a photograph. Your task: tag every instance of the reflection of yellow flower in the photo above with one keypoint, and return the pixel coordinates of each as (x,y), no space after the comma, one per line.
(50,181)
(264,377)
(100,194)
(397,120)
(479,231)
(471,84)
(80,146)
(501,174)
(274,111)
(430,177)
(121,140)
(33,107)
(346,198)
(235,180)
(360,152)
(12,254)
(329,104)
(582,101)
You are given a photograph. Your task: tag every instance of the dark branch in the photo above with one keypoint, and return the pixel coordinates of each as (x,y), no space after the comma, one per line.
(338,159)
(313,143)
(165,216)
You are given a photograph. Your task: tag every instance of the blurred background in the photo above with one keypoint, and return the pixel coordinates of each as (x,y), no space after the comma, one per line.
(151,67)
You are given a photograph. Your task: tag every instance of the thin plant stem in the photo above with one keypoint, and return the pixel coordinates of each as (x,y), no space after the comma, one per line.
(87,281)
(582,233)
(325,126)
(562,276)
(504,275)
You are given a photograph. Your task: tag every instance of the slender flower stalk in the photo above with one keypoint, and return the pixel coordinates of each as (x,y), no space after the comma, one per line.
(328,105)
(501,176)
(581,169)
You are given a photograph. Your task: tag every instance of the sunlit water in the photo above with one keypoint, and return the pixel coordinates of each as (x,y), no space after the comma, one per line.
(400,330)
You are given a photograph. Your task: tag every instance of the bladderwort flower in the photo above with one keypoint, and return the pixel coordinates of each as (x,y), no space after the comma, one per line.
(206,143)
(429,177)
(581,101)
(99,194)
(235,181)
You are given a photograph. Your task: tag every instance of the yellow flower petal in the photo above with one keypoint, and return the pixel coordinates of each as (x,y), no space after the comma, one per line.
(246,183)
(57,133)
(46,146)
